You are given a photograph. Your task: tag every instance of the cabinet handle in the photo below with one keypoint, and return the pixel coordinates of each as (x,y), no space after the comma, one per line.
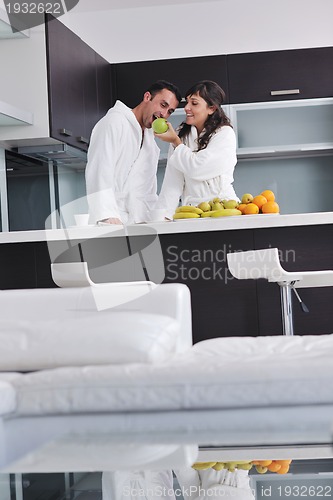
(64,131)
(83,139)
(285,92)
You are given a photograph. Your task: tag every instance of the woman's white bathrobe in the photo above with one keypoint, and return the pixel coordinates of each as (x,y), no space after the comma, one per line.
(199,176)
(120,173)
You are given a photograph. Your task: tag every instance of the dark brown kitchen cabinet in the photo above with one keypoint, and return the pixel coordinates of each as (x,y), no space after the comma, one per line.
(79,85)
(280,75)
(132,79)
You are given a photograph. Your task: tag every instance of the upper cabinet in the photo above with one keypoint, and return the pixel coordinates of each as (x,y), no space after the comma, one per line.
(280,75)
(79,85)
(132,79)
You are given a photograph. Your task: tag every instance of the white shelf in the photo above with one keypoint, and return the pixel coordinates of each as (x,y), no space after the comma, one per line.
(10,115)
(283,129)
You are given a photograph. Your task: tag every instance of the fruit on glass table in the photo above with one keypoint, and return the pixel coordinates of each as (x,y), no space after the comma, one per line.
(261,466)
(159,125)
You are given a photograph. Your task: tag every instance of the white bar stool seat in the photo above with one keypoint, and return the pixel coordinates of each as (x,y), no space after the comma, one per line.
(76,274)
(106,295)
(255,264)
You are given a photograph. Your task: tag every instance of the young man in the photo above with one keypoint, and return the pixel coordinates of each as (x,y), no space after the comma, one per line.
(123,155)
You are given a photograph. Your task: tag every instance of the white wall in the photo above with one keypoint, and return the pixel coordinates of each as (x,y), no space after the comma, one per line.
(202,28)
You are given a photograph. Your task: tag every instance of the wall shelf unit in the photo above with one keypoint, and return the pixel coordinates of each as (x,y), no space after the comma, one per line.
(283,129)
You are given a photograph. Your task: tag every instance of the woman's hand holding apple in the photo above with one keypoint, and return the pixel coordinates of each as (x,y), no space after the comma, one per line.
(169,136)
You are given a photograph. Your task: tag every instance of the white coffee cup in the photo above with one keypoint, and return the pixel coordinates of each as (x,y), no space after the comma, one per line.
(157,214)
(81,219)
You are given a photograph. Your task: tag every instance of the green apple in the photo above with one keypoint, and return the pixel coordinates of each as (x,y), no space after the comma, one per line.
(160,125)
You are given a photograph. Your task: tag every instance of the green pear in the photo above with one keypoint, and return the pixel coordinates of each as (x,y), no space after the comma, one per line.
(217,206)
(260,469)
(204,205)
(230,203)
(247,198)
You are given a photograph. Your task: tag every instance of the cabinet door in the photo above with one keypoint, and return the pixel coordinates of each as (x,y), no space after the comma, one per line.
(72,79)
(280,75)
(222,306)
(104,86)
(133,79)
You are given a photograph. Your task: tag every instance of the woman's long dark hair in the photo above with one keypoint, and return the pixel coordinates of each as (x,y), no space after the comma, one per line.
(212,93)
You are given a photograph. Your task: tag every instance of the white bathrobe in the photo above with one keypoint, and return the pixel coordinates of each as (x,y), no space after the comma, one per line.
(137,485)
(199,176)
(120,173)
(210,484)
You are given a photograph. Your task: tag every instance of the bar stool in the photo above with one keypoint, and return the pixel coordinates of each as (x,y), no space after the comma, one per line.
(255,264)
(107,295)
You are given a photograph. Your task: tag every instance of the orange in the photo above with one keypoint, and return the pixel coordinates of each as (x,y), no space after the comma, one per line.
(269,195)
(241,207)
(259,200)
(271,207)
(283,462)
(265,463)
(251,208)
(284,469)
(274,467)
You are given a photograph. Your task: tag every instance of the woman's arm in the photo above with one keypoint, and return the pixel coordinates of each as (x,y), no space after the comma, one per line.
(218,158)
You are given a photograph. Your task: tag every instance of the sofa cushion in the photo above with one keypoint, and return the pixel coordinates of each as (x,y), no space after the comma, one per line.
(105,337)
(215,374)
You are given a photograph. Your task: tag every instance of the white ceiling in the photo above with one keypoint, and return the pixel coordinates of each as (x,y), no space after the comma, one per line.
(136,30)
(97,5)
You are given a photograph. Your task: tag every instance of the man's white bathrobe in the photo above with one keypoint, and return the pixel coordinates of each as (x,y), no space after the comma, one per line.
(199,176)
(121,173)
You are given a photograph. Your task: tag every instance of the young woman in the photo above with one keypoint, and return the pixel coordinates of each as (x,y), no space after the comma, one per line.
(202,158)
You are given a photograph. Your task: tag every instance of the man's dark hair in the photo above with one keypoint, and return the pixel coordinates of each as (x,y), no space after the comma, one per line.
(156,87)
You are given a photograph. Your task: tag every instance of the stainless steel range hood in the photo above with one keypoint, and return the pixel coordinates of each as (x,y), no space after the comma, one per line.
(60,154)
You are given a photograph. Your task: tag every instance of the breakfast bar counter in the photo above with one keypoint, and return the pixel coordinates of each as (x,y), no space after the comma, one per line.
(191,252)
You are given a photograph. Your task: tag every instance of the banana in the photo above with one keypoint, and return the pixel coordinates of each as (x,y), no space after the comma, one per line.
(207,214)
(203,465)
(189,208)
(225,212)
(186,215)
(219,466)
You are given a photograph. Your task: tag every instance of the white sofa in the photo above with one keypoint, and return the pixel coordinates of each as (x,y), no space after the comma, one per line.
(100,379)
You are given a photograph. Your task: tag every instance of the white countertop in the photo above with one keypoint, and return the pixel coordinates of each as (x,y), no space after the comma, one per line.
(179,226)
